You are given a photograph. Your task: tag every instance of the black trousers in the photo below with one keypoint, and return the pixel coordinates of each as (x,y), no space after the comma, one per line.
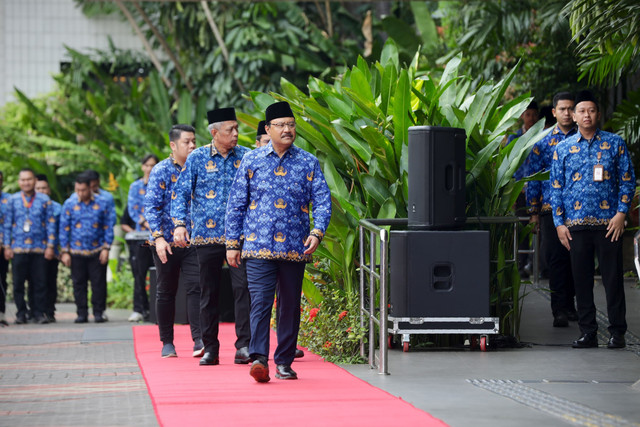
(210,259)
(29,267)
(559,268)
(583,246)
(52,285)
(141,260)
(183,262)
(4,268)
(86,269)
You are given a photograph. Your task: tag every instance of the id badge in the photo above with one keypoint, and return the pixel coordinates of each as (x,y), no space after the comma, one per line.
(598,173)
(26,227)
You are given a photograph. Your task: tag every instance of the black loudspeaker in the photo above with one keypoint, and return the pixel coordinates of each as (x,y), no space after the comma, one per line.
(181,300)
(436,177)
(439,273)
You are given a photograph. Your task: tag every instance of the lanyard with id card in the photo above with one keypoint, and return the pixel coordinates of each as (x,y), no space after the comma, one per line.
(598,171)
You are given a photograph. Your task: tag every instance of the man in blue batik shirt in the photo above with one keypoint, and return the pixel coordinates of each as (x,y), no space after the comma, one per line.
(86,235)
(140,256)
(592,185)
(42,186)
(28,233)
(539,202)
(173,263)
(269,205)
(4,264)
(206,181)
(94,176)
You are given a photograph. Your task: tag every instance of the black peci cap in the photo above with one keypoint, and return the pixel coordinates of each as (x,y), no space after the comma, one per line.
(585,95)
(261,130)
(277,110)
(221,115)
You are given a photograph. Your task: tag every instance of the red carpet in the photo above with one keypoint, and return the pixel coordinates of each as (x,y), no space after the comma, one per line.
(186,394)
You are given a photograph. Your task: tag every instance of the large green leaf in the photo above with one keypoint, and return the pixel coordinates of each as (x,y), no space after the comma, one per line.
(401,111)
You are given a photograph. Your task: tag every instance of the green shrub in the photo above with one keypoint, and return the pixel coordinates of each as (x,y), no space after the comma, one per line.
(332,329)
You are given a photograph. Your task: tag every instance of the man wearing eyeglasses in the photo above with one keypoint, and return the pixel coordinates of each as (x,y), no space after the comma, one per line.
(269,205)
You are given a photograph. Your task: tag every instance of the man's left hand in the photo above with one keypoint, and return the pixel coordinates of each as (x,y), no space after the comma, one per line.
(49,254)
(312,242)
(616,226)
(104,256)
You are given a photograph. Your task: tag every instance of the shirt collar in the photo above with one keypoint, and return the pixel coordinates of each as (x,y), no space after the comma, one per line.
(215,151)
(596,136)
(557,130)
(268,149)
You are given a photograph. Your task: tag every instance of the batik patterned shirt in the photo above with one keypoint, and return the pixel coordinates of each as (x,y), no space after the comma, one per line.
(29,225)
(157,201)
(85,227)
(135,203)
(206,181)
(4,203)
(57,210)
(538,192)
(270,202)
(576,199)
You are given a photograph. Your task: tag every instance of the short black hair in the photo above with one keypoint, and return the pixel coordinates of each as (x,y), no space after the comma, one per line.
(42,177)
(176,131)
(27,170)
(83,178)
(146,158)
(563,96)
(92,174)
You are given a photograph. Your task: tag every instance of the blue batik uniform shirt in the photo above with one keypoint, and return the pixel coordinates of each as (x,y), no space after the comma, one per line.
(4,203)
(577,201)
(157,201)
(135,202)
(538,192)
(270,201)
(41,224)
(85,227)
(206,182)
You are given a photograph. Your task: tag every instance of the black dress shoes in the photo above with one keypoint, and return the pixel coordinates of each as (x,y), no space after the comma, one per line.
(616,341)
(284,372)
(586,341)
(81,319)
(572,315)
(242,356)
(560,320)
(21,319)
(100,317)
(209,359)
(299,353)
(260,370)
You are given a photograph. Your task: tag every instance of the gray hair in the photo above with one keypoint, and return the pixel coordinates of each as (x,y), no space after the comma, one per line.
(213,126)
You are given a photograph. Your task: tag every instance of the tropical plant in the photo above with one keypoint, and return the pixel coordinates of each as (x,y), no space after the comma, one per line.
(608,36)
(493,36)
(358,128)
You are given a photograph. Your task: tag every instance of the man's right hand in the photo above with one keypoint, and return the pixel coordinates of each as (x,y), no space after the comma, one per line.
(181,237)
(162,249)
(234,257)
(65,258)
(564,235)
(8,253)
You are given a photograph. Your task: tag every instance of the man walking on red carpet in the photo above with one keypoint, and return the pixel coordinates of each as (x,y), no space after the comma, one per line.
(269,205)
(203,190)
(174,264)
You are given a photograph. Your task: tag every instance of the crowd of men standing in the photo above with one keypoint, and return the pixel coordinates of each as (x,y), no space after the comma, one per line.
(38,232)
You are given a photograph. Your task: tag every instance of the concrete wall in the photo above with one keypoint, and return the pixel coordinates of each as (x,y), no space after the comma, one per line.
(32,38)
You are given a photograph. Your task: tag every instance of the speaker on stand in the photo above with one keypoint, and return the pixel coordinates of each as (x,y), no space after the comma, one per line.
(436,178)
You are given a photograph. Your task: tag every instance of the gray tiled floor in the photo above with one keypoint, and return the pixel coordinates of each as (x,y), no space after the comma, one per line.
(72,375)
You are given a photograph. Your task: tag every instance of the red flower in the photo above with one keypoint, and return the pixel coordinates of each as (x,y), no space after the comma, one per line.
(313,313)
(349,329)
(327,344)
(342,315)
